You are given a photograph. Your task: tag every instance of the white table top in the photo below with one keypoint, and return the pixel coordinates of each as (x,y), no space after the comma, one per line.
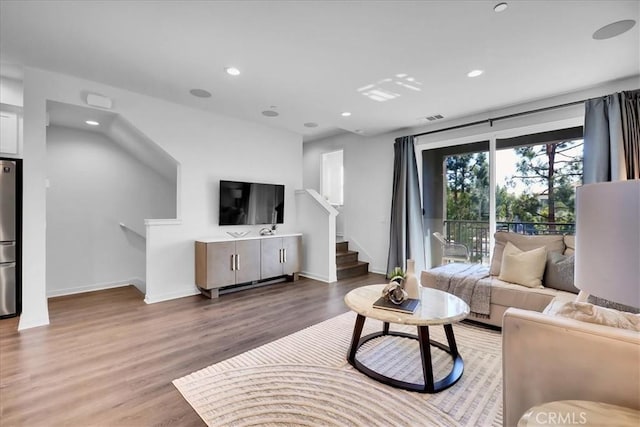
(250,236)
(435,308)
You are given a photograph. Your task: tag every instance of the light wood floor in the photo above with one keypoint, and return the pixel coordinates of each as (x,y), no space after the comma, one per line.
(107,358)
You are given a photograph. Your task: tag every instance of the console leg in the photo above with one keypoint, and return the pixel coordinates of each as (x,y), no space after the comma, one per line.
(209,293)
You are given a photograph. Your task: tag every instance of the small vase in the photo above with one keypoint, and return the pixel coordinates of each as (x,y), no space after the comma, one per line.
(411,284)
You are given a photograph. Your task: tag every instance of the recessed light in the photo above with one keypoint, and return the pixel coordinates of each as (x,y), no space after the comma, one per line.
(311,125)
(200,93)
(474,73)
(614,29)
(270,113)
(232,71)
(92,123)
(500,7)
(345,114)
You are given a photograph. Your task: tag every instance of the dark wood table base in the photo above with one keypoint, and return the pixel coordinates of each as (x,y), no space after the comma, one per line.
(425,356)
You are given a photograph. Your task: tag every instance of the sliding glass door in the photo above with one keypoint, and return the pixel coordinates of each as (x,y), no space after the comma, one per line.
(456,195)
(533,189)
(536,177)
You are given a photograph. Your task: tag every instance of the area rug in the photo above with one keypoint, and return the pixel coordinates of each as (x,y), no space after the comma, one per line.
(304,379)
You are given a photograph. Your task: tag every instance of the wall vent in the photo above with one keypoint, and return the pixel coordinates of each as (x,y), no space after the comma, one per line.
(435,117)
(96,100)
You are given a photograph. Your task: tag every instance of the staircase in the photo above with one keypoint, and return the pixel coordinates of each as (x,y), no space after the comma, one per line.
(347,262)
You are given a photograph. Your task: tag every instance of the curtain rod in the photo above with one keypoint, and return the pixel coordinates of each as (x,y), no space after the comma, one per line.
(508,116)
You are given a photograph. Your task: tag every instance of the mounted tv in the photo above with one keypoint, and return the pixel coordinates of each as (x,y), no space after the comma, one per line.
(250,203)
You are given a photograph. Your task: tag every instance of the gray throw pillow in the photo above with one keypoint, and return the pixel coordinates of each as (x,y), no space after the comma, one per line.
(610,304)
(558,273)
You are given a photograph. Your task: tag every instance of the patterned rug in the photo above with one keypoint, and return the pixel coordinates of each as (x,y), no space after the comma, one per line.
(304,379)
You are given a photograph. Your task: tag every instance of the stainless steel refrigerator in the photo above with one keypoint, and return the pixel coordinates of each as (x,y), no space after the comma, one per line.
(8,239)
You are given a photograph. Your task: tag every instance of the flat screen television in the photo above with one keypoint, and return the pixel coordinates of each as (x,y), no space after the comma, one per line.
(249,203)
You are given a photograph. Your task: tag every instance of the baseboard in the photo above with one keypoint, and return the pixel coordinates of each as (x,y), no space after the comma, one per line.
(152,299)
(138,283)
(315,277)
(377,271)
(25,323)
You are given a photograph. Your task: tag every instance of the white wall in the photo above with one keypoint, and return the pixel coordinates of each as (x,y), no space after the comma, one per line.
(368,178)
(368,165)
(94,185)
(208,147)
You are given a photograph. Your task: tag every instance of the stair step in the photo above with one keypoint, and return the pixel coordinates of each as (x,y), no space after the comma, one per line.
(352,270)
(342,246)
(345,258)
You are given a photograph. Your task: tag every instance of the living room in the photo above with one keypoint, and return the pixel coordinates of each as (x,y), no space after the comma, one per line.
(213,141)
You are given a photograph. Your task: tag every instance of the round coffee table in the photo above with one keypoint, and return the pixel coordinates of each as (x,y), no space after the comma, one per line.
(435,308)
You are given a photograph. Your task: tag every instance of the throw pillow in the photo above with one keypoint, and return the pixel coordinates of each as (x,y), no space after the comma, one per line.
(553,243)
(585,312)
(611,304)
(558,273)
(570,243)
(523,268)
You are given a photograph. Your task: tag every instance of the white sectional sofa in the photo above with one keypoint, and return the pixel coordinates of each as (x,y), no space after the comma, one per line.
(559,250)
(547,358)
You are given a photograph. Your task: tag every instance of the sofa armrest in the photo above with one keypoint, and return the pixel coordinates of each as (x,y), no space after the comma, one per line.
(548,358)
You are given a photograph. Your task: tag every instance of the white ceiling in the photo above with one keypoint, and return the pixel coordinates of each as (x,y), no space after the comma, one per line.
(314,59)
(118,131)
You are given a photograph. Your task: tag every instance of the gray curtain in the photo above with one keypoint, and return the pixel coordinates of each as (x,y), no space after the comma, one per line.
(612,138)
(406,239)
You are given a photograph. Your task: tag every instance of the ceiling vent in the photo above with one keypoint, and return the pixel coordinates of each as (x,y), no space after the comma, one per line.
(96,100)
(435,117)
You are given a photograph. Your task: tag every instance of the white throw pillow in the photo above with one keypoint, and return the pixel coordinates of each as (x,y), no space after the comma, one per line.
(523,268)
(586,312)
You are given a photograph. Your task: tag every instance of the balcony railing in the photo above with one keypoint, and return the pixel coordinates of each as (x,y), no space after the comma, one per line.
(475,234)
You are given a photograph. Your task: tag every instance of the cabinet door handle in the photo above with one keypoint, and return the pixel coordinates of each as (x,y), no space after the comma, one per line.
(280,256)
(237,262)
(284,257)
(233,262)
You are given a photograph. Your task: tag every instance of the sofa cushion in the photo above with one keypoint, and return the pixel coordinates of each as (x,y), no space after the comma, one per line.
(558,273)
(570,243)
(511,295)
(590,313)
(505,295)
(553,243)
(523,268)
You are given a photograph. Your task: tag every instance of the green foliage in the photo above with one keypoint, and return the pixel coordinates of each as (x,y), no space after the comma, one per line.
(467,187)
(548,173)
(397,274)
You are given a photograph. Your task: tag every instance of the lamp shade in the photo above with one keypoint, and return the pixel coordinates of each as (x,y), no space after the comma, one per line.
(607,257)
